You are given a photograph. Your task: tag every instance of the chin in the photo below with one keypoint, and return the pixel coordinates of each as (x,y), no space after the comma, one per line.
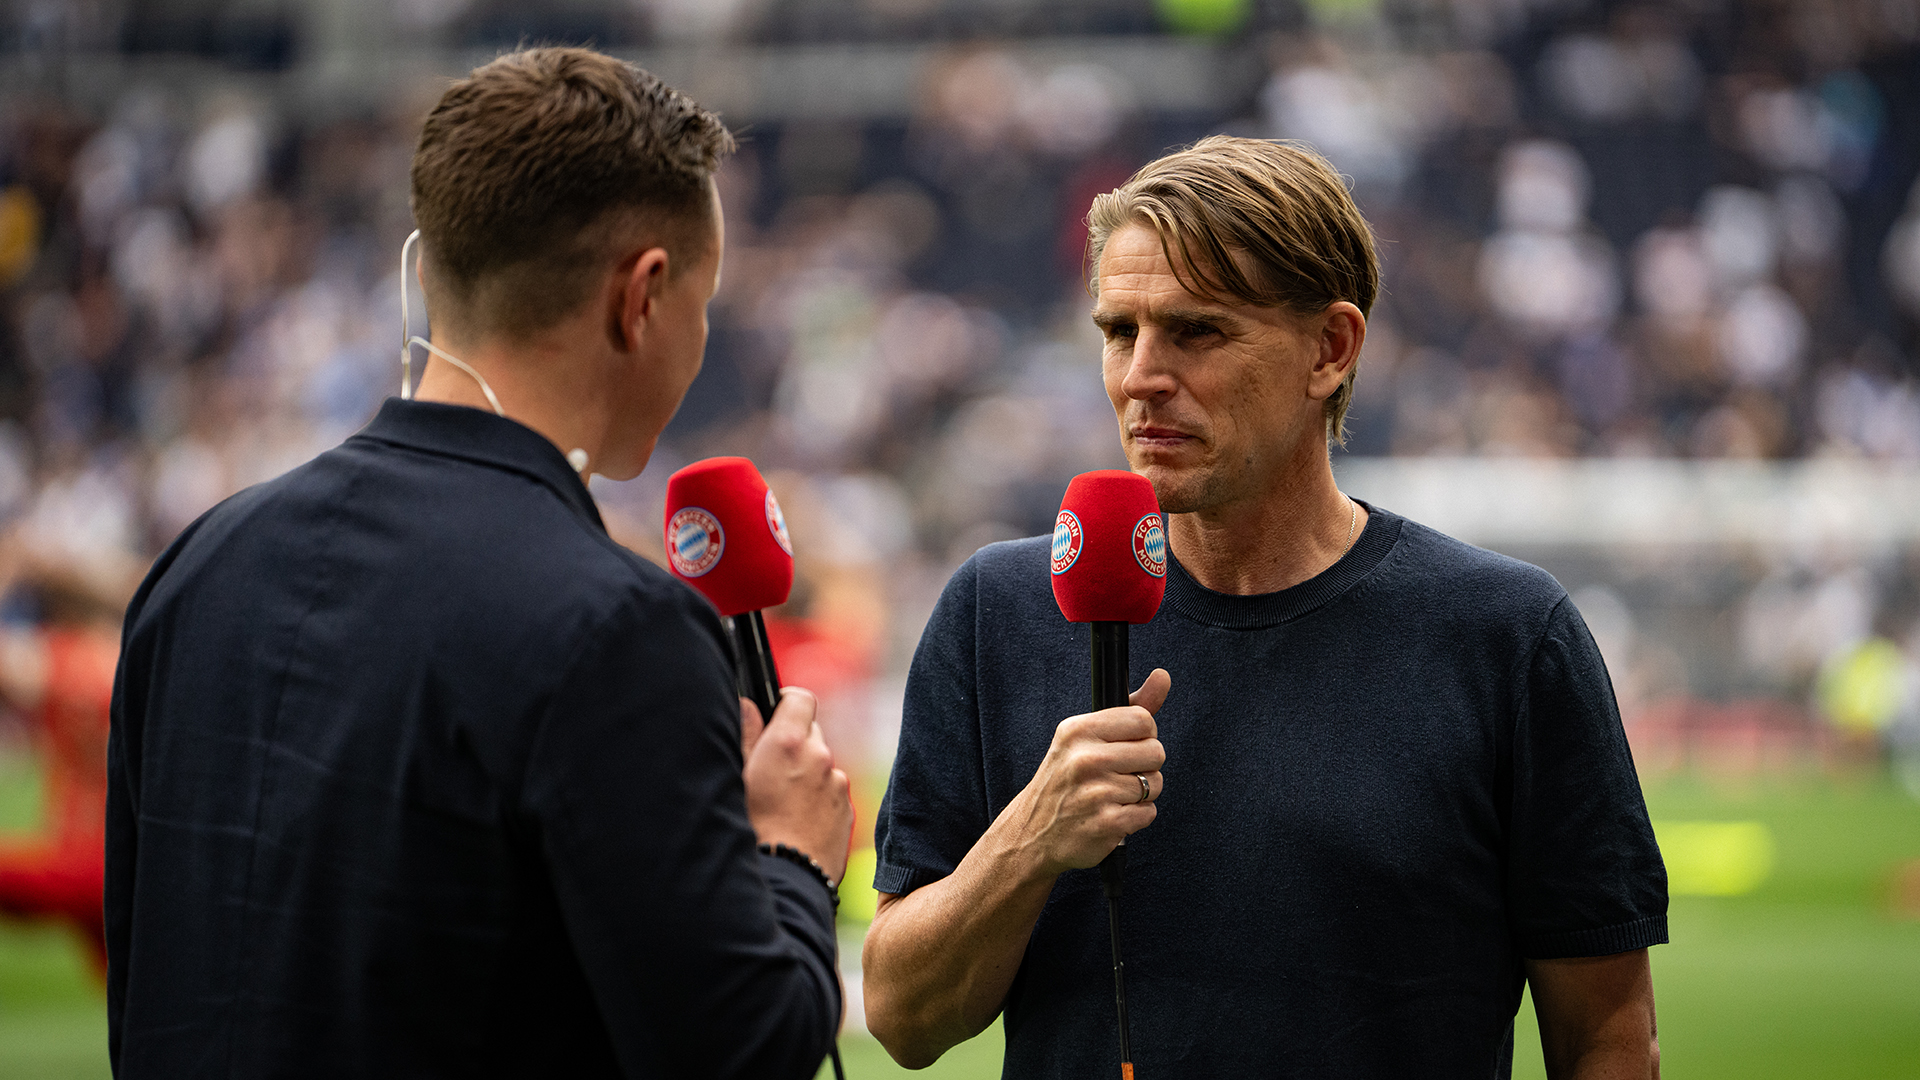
(1176,490)
(627,466)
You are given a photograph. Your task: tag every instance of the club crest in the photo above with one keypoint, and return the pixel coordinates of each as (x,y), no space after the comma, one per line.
(694,542)
(777,524)
(1066,541)
(1149,545)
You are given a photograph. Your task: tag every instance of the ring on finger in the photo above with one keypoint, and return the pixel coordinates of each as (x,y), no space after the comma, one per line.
(1146,790)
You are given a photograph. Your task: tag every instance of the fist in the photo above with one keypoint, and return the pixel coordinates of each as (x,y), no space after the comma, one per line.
(795,795)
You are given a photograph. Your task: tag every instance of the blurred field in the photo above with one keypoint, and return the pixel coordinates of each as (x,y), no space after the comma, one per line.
(1814,973)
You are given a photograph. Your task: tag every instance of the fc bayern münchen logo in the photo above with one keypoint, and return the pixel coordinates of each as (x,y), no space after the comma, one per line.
(694,542)
(777,522)
(1149,545)
(1066,541)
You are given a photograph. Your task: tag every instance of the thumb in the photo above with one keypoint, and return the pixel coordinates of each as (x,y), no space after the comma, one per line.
(1153,692)
(796,707)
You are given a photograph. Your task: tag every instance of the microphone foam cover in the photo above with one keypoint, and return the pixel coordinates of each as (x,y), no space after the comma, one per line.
(1109,549)
(726,536)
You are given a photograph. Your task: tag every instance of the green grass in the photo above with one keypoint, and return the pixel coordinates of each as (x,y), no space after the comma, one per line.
(976,1058)
(1810,974)
(53,1021)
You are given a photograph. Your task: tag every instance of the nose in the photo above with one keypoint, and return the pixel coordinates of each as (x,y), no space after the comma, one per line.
(1149,368)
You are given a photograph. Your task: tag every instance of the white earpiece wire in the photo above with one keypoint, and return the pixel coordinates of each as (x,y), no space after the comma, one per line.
(406,330)
(409,340)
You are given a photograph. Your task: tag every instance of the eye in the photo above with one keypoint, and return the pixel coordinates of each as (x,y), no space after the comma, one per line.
(1195,331)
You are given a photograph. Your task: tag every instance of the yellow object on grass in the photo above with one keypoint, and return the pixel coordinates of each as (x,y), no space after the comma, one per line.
(1863,687)
(858,901)
(1714,858)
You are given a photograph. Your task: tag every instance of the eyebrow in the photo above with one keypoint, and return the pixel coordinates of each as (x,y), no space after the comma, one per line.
(1107,319)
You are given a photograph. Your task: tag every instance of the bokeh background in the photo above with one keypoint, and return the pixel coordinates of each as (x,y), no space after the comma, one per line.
(1651,319)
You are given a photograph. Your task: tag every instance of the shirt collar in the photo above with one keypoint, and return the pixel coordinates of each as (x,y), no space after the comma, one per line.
(1203,605)
(474,435)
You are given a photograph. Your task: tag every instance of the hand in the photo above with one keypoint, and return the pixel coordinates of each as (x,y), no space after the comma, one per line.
(794,794)
(1084,800)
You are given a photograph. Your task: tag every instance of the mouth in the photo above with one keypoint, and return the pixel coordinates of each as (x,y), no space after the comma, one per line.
(1152,436)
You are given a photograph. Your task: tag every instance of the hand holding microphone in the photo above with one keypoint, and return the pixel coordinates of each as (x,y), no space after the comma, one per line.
(1085,798)
(726,537)
(795,796)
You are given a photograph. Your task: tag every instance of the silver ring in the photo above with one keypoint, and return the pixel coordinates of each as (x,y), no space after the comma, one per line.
(1146,791)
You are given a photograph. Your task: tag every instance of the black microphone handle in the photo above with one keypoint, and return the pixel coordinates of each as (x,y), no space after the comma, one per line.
(1110,691)
(754,673)
(1109,665)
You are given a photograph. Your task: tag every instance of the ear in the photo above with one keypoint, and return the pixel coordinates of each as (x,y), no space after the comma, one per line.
(637,285)
(1341,330)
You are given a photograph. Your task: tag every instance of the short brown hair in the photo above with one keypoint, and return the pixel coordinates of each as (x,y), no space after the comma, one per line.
(521,163)
(1257,221)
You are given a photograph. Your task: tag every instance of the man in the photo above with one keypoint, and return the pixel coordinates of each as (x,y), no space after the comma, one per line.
(1395,784)
(414,771)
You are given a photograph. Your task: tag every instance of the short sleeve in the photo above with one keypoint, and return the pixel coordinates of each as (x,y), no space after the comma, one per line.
(935,808)
(1584,876)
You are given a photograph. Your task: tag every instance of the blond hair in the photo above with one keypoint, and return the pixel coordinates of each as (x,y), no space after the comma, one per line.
(1255,221)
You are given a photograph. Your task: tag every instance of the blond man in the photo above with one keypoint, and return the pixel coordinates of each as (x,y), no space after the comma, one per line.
(1387,785)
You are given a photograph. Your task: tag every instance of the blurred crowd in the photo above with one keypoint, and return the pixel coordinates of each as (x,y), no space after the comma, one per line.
(1679,230)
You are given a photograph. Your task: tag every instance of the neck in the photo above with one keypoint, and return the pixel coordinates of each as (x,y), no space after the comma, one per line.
(1280,539)
(539,384)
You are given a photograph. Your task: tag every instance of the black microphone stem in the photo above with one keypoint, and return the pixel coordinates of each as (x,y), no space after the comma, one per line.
(1110,691)
(1119,971)
(1109,665)
(754,673)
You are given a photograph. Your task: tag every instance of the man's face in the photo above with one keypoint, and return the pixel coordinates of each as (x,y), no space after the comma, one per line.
(1212,398)
(682,319)
(673,345)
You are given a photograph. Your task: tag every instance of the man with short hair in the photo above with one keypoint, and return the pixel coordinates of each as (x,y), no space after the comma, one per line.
(414,771)
(1395,787)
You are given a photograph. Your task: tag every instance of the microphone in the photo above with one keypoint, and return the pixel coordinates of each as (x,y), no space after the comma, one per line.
(1110,570)
(726,537)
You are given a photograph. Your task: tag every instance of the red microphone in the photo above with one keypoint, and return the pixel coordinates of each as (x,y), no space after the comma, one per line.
(726,537)
(1109,554)
(1110,570)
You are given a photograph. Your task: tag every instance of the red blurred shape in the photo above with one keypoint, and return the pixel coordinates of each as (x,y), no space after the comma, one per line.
(61,870)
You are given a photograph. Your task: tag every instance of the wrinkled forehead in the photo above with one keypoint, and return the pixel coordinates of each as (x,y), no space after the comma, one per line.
(1141,256)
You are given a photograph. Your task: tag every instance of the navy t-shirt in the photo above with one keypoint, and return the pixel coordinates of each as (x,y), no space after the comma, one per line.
(1385,786)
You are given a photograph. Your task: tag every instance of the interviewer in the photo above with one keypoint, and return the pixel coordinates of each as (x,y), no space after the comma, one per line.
(414,771)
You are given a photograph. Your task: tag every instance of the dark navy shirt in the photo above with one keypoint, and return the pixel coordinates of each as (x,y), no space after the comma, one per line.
(415,772)
(1385,786)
